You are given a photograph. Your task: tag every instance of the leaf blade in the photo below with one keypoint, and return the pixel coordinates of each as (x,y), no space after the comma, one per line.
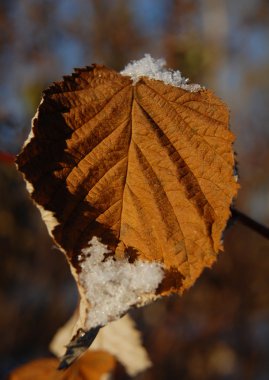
(145,167)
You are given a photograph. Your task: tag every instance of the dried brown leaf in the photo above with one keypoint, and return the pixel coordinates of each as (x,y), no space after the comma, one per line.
(120,338)
(91,366)
(148,168)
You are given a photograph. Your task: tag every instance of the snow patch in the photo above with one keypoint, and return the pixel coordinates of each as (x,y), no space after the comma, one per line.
(113,286)
(155,69)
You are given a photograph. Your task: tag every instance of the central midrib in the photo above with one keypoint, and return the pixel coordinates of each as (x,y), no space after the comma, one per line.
(127,161)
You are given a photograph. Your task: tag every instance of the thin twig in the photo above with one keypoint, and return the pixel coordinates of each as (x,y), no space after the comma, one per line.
(250,223)
(78,345)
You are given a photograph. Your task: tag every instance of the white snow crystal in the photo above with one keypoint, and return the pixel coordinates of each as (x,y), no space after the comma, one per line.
(113,286)
(155,69)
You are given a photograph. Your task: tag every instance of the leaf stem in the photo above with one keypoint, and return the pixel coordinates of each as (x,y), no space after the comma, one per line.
(250,223)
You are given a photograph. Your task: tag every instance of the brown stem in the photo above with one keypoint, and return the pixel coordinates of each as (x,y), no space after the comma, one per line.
(250,223)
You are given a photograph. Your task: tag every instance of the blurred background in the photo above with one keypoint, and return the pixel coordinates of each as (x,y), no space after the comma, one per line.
(220,328)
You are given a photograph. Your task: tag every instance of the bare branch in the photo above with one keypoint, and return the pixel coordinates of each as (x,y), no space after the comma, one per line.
(250,223)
